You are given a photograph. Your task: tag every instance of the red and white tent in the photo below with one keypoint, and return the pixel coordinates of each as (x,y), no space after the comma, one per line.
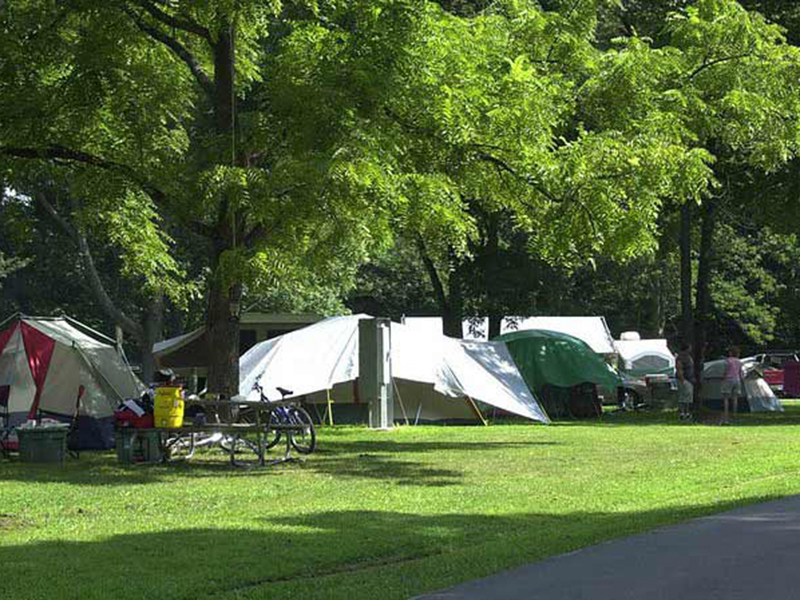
(46,361)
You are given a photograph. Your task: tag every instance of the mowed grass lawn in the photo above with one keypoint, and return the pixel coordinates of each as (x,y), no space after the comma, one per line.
(385,515)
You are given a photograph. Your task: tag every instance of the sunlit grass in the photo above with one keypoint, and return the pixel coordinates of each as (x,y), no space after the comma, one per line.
(375,514)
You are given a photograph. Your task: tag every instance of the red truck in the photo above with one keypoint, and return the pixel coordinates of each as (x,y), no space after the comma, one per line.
(773,364)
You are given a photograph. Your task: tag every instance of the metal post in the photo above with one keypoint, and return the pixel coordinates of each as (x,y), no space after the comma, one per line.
(375,371)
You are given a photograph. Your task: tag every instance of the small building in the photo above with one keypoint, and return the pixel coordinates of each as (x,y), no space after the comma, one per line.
(187,354)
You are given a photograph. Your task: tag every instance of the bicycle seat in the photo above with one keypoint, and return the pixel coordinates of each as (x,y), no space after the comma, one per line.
(284,392)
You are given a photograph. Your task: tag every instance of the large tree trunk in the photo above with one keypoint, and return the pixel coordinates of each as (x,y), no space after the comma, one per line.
(491,279)
(453,313)
(453,310)
(687,316)
(703,302)
(222,325)
(153,327)
(222,335)
(450,301)
(495,325)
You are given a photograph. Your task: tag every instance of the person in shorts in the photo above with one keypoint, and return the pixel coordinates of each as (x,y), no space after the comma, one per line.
(732,384)
(684,371)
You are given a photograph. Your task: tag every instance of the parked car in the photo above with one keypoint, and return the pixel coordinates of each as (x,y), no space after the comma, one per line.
(772,365)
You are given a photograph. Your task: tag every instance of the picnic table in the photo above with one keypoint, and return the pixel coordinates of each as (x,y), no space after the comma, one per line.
(190,436)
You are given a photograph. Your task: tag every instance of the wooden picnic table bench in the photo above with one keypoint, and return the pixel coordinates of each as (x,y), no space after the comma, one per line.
(188,435)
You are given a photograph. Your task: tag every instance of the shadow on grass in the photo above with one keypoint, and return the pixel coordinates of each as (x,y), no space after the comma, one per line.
(103,470)
(367,459)
(275,555)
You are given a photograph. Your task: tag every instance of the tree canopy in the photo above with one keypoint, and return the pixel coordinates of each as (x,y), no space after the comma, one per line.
(266,150)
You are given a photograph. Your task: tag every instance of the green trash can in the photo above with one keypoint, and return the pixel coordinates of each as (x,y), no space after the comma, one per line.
(138,445)
(42,444)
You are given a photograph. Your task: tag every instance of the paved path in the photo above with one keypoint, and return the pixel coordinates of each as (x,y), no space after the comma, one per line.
(751,553)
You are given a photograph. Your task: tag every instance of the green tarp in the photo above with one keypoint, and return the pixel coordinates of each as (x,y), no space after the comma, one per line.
(557,359)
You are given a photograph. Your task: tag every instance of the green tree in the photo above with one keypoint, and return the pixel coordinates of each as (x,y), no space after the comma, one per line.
(184,120)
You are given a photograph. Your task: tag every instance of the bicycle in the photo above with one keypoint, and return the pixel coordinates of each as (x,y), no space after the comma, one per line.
(290,420)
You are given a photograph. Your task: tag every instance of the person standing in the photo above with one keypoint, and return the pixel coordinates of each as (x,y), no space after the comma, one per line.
(732,384)
(684,371)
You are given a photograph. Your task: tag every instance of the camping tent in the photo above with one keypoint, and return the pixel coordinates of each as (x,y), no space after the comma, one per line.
(555,366)
(645,357)
(557,359)
(759,397)
(45,362)
(435,377)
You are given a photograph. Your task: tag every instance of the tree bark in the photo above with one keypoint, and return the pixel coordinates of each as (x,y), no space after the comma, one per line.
(453,316)
(495,325)
(703,301)
(492,278)
(153,327)
(450,301)
(687,316)
(453,321)
(222,334)
(222,325)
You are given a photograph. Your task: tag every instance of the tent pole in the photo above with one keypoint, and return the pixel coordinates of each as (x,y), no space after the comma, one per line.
(78,325)
(330,407)
(16,315)
(419,411)
(400,399)
(477,411)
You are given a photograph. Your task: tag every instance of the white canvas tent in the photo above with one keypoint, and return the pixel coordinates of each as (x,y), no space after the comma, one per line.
(433,375)
(46,361)
(645,357)
(759,396)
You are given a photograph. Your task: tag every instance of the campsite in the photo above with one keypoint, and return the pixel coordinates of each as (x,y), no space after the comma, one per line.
(399,299)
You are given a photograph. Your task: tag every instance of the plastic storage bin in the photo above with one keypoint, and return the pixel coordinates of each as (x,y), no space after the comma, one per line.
(138,446)
(42,444)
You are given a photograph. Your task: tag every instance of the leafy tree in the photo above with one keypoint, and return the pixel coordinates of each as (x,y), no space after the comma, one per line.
(498,131)
(184,120)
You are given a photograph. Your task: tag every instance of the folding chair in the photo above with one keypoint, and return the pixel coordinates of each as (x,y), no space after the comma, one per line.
(5,429)
(73,426)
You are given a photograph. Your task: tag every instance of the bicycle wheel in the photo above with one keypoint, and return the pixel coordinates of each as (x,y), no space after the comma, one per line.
(303,441)
(274,434)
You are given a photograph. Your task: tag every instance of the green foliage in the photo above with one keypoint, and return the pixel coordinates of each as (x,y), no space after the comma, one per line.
(8,266)
(358,126)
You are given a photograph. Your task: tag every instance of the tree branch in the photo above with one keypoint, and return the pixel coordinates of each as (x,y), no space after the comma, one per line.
(716,61)
(183,24)
(179,49)
(504,166)
(436,281)
(87,261)
(56,152)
